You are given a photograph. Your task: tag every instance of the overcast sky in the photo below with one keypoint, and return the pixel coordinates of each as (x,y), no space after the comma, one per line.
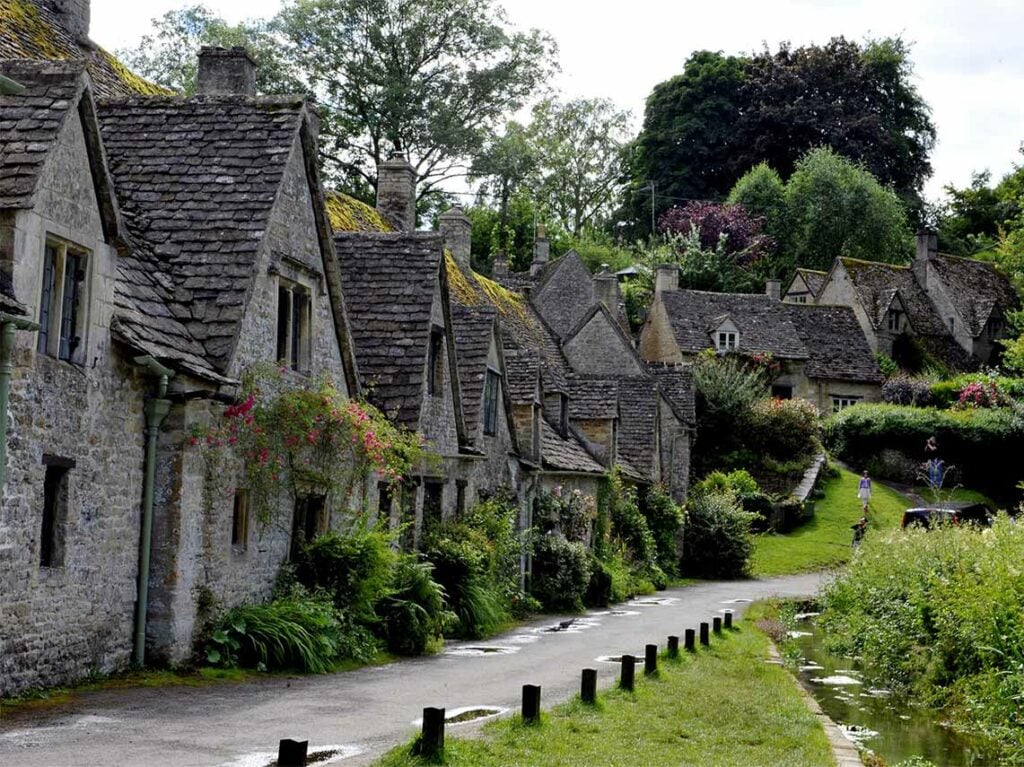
(969,65)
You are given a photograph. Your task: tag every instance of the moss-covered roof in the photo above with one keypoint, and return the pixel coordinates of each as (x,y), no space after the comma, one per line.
(32,30)
(347,214)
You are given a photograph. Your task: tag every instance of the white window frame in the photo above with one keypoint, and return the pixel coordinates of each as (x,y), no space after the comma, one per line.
(54,340)
(895,320)
(843,401)
(727,341)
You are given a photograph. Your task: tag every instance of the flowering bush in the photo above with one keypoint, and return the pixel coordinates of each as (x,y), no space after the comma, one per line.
(570,513)
(783,428)
(981,394)
(902,389)
(307,441)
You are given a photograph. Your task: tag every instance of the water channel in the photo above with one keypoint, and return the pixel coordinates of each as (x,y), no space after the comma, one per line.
(893,729)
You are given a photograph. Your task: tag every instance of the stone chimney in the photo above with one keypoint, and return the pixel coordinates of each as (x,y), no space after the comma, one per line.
(773,289)
(927,245)
(74,17)
(457,232)
(666,279)
(225,72)
(500,269)
(541,250)
(606,289)
(396,192)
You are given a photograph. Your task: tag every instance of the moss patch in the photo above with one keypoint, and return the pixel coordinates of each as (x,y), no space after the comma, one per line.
(348,214)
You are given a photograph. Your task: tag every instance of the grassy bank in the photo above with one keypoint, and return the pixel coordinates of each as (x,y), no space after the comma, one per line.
(824,541)
(723,706)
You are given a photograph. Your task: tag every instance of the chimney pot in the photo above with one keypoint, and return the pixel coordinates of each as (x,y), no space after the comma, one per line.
(773,289)
(927,245)
(500,268)
(666,279)
(225,72)
(457,232)
(606,289)
(396,192)
(74,17)
(541,250)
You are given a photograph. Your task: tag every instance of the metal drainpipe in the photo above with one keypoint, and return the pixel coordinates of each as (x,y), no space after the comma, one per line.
(156,410)
(8,324)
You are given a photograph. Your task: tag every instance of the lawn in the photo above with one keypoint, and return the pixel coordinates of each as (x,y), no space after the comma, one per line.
(824,541)
(723,706)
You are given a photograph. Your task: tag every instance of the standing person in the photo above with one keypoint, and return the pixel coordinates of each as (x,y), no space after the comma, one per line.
(864,491)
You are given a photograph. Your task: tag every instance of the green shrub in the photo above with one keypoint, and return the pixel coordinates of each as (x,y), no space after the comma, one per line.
(939,615)
(726,388)
(413,614)
(783,428)
(561,572)
(716,536)
(292,633)
(355,569)
(664,520)
(946,394)
(600,591)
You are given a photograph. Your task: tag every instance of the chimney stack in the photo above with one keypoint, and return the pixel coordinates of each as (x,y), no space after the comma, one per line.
(666,279)
(74,17)
(457,232)
(606,289)
(773,289)
(396,192)
(927,245)
(225,72)
(500,269)
(541,250)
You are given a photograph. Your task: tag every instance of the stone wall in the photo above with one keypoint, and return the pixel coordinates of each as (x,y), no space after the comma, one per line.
(598,348)
(839,291)
(657,341)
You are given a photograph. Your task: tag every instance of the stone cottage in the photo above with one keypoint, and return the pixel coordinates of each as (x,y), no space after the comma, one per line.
(805,286)
(822,353)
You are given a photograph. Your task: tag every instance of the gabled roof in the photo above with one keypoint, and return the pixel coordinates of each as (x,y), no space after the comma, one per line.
(876,283)
(389,281)
(836,343)
(31,29)
(676,383)
(638,408)
(593,397)
(976,288)
(474,332)
(198,179)
(812,278)
(347,214)
(760,320)
(564,293)
(566,454)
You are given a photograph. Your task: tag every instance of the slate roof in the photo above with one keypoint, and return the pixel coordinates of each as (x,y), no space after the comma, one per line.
(593,397)
(975,288)
(30,123)
(197,180)
(389,281)
(813,279)
(638,406)
(31,29)
(474,329)
(347,214)
(676,384)
(876,284)
(761,321)
(835,342)
(566,454)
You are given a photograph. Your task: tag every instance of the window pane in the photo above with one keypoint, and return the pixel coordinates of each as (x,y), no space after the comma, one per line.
(46,300)
(284,308)
(491,403)
(69,307)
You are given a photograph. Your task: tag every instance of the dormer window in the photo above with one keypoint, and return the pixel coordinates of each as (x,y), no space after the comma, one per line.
(491,389)
(62,302)
(726,341)
(293,325)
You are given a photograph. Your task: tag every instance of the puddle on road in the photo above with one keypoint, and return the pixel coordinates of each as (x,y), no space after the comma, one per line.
(570,626)
(615,613)
(735,601)
(331,754)
(476,651)
(467,714)
(637,659)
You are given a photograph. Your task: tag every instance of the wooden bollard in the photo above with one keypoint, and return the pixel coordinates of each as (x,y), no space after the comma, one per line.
(432,734)
(673,647)
(717,623)
(531,703)
(292,753)
(704,634)
(728,620)
(690,640)
(588,686)
(650,659)
(626,675)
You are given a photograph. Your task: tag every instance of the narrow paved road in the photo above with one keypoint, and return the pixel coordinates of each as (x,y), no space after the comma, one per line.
(368,710)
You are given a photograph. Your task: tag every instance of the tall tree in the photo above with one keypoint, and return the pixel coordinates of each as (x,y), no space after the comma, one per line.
(763,195)
(506,165)
(580,148)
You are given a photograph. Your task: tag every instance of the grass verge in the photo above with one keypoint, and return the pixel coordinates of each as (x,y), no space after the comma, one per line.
(721,707)
(824,541)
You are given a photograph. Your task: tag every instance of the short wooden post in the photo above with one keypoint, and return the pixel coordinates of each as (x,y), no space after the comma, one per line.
(588,686)
(531,703)
(292,753)
(704,634)
(650,659)
(626,674)
(690,640)
(432,735)
(728,619)
(673,647)
(717,623)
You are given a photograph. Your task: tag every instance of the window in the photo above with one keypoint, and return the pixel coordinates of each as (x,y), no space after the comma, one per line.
(61,304)
(843,401)
(308,521)
(55,510)
(782,392)
(799,299)
(726,341)
(240,521)
(995,327)
(536,432)
(491,388)
(435,362)
(293,325)
(433,491)
(895,320)
(952,325)
(383,500)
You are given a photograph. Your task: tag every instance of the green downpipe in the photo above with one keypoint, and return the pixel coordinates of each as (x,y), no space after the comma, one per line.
(8,324)
(156,410)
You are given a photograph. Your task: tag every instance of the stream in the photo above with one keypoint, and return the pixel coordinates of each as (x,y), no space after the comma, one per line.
(891,728)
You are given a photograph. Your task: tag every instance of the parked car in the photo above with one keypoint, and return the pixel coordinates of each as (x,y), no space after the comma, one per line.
(977,514)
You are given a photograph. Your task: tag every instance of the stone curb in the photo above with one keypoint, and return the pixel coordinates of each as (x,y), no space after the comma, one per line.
(843,751)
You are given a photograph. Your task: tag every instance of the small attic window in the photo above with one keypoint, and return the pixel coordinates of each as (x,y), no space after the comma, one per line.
(293,325)
(435,362)
(62,302)
(726,341)
(491,389)
(895,318)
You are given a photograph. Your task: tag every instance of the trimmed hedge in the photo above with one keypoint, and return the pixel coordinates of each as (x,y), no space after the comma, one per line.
(985,445)
(946,393)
